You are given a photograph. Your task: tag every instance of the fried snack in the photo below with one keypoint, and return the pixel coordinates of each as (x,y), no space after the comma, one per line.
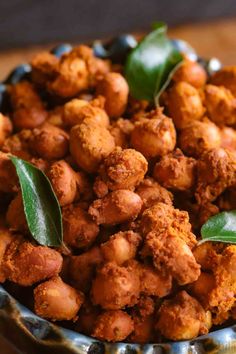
(160,216)
(216,172)
(154,137)
(26,264)
(121,129)
(6,238)
(116,207)
(199,137)
(56,300)
(171,255)
(121,247)
(225,77)
(182,318)
(184,104)
(18,144)
(79,229)
(220,105)
(192,73)
(64,182)
(5,128)
(8,177)
(176,171)
(151,193)
(76,110)
(122,169)
(115,90)
(228,138)
(44,68)
(28,109)
(90,144)
(49,142)
(113,326)
(135,183)
(115,287)
(154,283)
(15,216)
(82,268)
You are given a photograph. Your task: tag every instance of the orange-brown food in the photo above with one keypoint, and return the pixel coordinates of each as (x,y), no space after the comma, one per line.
(27,264)
(135,184)
(113,326)
(56,300)
(176,171)
(116,207)
(115,90)
(29,111)
(184,104)
(154,137)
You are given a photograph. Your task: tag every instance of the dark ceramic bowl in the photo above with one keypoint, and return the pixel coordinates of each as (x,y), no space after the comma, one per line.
(34,335)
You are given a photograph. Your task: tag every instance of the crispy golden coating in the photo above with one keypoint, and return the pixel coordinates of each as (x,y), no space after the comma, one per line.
(115,287)
(8,177)
(172,255)
(154,283)
(206,255)
(79,229)
(143,330)
(88,315)
(220,105)
(15,216)
(216,172)
(154,137)
(49,142)
(199,137)
(116,207)
(152,192)
(184,104)
(123,169)
(115,90)
(5,239)
(76,71)
(121,247)
(160,216)
(56,300)
(18,144)
(82,268)
(5,128)
(121,129)
(28,109)
(228,138)
(176,171)
(90,144)
(192,73)
(76,110)
(27,264)
(117,168)
(113,326)
(182,318)
(44,68)
(225,77)
(64,182)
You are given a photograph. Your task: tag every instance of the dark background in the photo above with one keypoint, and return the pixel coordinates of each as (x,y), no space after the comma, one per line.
(26,22)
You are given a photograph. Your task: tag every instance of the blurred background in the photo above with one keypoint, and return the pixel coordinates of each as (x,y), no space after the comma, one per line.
(27,26)
(27,22)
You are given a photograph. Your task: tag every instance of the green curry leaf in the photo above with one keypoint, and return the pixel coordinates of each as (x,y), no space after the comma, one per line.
(220,228)
(41,207)
(150,65)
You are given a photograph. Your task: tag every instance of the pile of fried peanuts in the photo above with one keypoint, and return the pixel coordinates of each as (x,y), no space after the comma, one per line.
(135,184)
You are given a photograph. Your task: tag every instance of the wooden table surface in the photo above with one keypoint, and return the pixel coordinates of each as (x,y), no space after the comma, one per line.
(209,39)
